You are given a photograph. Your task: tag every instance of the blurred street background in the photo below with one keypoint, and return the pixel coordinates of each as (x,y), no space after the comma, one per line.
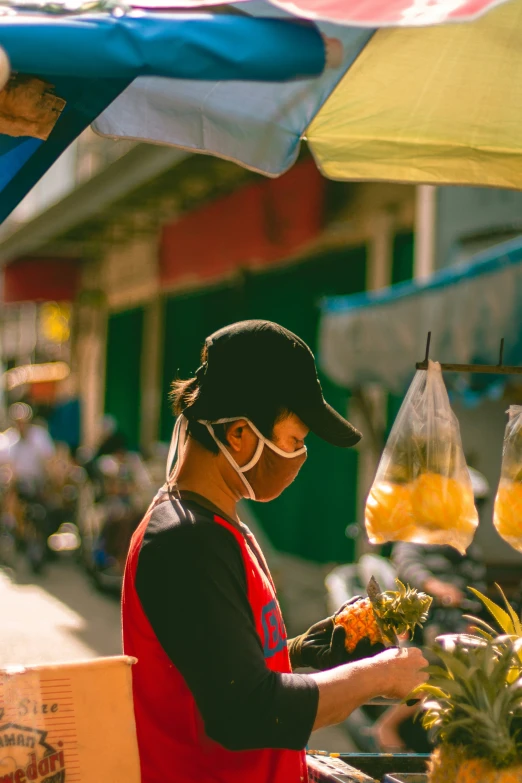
(115,268)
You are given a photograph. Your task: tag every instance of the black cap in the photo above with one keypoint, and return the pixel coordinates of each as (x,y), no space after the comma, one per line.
(257,365)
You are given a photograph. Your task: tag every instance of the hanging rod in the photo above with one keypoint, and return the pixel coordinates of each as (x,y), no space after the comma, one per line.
(492,369)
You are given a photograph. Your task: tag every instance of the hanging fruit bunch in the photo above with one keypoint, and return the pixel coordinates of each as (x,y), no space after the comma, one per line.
(422,492)
(392,613)
(507,516)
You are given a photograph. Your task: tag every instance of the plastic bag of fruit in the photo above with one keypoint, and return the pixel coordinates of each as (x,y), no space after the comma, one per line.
(422,491)
(507,516)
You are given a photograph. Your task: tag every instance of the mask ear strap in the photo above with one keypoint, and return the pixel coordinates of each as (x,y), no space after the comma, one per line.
(255,459)
(177,448)
(276,449)
(229,457)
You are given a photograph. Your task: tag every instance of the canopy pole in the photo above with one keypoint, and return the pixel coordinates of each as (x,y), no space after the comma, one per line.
(491,369)
(425,224)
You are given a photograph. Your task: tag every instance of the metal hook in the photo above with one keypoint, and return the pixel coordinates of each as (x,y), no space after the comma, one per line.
(428,342)
(492,369)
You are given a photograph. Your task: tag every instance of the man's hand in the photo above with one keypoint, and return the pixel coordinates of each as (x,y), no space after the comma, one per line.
(393,673)
(400,670)
(443,592)
(323,647)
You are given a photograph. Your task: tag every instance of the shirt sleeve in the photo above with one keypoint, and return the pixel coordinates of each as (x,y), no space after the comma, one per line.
(192,585)
(409,562)
(44,443)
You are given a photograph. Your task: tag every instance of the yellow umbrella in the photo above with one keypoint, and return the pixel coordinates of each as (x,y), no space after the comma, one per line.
(440,105)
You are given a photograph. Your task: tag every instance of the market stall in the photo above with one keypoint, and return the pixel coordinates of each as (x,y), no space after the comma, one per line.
(377,338)
(214,48)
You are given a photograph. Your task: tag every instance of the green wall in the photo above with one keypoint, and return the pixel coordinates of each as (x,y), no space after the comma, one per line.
(123,371)
(402,260)
(189,319)
(310,518)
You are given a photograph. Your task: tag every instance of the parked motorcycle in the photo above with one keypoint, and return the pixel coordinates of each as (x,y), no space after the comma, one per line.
(111,510)
(7,522)
(33,523)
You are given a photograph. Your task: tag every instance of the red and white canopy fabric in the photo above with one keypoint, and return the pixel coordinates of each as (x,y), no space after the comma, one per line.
(361,13)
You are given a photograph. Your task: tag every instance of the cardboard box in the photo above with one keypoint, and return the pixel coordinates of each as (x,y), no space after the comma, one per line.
(68,723)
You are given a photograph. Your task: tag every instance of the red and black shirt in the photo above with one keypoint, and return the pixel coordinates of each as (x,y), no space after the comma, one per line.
(214,696)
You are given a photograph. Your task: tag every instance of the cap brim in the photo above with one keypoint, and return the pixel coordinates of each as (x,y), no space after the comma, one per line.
(329,425)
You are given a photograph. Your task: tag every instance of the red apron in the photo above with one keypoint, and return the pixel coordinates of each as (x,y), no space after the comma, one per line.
(174,747)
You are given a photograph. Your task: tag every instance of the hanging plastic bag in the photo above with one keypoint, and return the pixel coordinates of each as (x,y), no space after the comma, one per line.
(422,491)
(507,516)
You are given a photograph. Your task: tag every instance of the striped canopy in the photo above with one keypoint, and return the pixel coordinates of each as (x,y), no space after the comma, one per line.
(417,98)
(68,70)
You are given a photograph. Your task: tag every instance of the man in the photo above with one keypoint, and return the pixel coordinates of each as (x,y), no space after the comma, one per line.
(216,699)
(30,449)
(30,453)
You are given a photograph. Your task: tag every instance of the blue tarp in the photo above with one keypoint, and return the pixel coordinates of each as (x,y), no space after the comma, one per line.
(180,46)
(90,60)
(377,337)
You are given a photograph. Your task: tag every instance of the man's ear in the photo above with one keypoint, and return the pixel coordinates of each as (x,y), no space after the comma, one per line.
(235,434)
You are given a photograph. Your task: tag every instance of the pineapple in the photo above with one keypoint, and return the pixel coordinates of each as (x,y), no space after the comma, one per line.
(394,612)
(508,623)
(474,713)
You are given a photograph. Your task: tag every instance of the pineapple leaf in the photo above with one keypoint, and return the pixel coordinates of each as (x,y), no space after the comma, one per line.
(453,664)
(488,637)
(451,687)
(437,671)
(517,625)
(489,628)
(430,690)
(502,618)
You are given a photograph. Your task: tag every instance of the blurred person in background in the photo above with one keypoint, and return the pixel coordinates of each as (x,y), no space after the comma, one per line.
(30,453)
(123,490)
(445,574)
(30,449)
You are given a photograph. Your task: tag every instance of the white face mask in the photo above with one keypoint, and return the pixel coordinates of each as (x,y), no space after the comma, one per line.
(269,475)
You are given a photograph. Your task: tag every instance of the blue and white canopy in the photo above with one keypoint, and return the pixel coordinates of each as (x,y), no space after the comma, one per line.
(85,62)
(378,337)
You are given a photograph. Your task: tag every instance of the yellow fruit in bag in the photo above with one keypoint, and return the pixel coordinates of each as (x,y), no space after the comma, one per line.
(440,502)
(507,516)
(388,511)
(422,491)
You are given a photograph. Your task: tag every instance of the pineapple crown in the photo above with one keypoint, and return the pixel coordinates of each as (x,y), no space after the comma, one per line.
(471,703)
(507,622)
(400,611)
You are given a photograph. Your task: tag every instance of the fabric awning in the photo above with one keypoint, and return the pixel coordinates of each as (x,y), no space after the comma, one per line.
(378,337)
(74,68)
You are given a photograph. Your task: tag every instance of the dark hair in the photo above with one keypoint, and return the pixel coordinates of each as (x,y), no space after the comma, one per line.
(184,394)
